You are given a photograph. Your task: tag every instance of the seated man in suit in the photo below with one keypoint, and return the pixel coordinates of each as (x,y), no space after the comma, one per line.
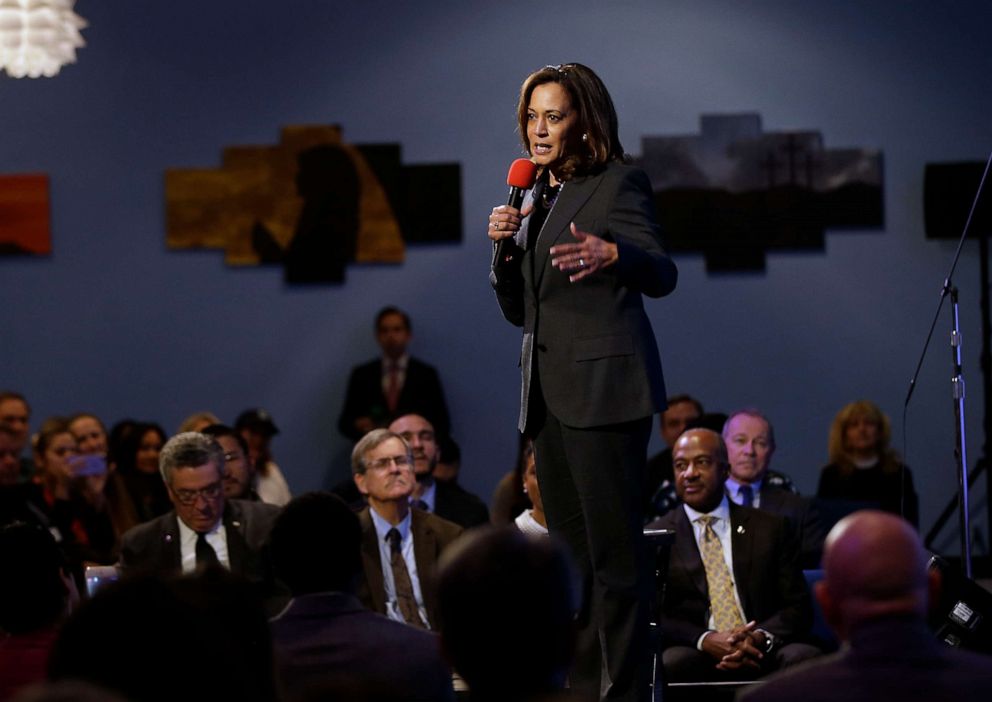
(393,385)
(750,441)
(204,529)
(448,500)
(874,596)
(325,634)
(400,545)
(736,601)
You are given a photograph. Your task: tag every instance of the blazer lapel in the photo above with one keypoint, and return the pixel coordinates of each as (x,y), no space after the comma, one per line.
(371,563)
(172,553)
(572,196)
(741,542)
(425,551)
(237,548)
(688,552)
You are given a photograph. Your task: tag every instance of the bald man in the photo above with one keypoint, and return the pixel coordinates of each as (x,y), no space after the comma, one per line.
(875,596)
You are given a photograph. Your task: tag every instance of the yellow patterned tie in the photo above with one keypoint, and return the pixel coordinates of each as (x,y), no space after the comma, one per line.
(726,615)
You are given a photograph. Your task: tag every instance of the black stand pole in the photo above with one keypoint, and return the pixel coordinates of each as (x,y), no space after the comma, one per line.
(960,449)
(957,382)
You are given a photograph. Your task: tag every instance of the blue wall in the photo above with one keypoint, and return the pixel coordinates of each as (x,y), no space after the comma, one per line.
(115,323)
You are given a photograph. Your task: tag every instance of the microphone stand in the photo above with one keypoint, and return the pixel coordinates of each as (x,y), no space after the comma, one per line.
(957,384)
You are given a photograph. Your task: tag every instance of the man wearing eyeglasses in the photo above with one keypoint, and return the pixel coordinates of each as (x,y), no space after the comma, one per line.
(204,529)
(400,545)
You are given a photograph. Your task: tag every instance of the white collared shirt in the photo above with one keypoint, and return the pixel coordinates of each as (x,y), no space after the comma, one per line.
(216,537)
(722,529)
(382,528)
(734,490)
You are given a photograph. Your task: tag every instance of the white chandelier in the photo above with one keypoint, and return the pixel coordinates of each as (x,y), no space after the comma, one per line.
(38,37)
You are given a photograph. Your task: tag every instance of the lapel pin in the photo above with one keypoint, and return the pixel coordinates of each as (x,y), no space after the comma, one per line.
(236,524)
(740,530)
(168,538)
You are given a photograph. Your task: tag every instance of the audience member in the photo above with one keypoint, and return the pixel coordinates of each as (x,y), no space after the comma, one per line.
(19,501)
(91,439)
(73,491)
(36,593)
(507,607)
(10,458)
(257,429)
(509,499)
(198,421)
(198,638)
(15,412)
(447,500)
(750,441)
(203,530)
(863,470)
(400,545)
(874,596)
(239,471)
(532,521)
(735,604)
(393,385)
(325,637)
(682,411)
(90,434)
(135,455)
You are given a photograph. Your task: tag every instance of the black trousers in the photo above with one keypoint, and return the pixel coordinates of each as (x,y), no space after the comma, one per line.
(591,481)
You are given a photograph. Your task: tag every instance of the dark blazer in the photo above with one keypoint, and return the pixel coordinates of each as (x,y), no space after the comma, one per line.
(421,394)
(598,359)
(324,636)
(154,546)
(894,658)
(458,505)
(770,584)
(431,535)
(802,516)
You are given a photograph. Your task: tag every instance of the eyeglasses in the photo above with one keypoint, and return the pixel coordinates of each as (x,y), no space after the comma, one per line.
(234,456)
(402,461)
(562,69)
(188,497)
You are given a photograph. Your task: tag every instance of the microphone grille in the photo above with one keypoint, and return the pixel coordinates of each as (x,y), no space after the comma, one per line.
(522,174)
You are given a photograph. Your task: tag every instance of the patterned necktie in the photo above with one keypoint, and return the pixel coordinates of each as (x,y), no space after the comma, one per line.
(393,386)
(726,616)
(747,495)
(205,554)
(401,579)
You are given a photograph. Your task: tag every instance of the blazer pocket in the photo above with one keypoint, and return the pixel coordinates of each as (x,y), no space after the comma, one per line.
(590,348)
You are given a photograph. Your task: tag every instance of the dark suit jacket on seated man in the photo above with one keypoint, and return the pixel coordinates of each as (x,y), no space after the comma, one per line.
(400,545)
(204,528)
(874,596)
(727,613)
(325,640)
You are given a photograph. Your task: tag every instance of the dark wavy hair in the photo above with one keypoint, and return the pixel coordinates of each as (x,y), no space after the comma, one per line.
(596,117)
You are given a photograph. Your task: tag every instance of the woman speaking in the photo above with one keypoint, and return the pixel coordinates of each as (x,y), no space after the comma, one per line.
(591,371)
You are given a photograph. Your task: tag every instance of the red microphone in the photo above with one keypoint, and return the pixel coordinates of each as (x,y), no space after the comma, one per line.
(521,177)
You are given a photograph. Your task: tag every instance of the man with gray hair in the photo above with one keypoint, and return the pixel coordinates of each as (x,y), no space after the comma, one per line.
(400,544)
(750,441)
(204,529)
